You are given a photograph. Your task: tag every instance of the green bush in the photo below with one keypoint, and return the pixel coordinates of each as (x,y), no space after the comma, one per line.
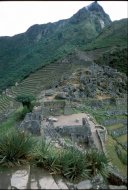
(26,101)
(15,147)
(21,114)
(97,162)
(70,163)
(74,165)
(46,156)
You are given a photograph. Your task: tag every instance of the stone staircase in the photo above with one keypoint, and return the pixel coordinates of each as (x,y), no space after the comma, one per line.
(29,178)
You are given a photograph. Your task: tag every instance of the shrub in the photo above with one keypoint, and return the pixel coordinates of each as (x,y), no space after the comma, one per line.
(97,162)
(21,115)
(45,155)
(26,101)
(70,162)
(15,147)
(73,164)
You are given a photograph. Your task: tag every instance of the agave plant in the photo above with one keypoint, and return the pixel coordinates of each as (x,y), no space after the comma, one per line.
(15,147)
(97,162)
(40,152)
(73,164)
(45,155)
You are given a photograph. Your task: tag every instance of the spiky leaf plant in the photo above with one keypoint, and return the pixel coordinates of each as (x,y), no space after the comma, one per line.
(15,147)
(46,156)
(97,162)
(73,164)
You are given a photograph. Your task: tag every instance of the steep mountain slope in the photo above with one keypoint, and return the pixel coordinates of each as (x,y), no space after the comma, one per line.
(40,44)
(114,39)
(115,34)
(116,58)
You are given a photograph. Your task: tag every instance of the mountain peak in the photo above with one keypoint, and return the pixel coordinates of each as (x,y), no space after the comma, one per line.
(93,11)
(94,7)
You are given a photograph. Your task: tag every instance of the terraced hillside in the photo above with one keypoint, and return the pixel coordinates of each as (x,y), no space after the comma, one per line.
(47,77)
(40,44)
(114,118)
(5,101)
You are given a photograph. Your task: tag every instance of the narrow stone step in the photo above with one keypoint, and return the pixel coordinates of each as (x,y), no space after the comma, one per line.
(41,179)
(60,182)
(14,178)
(20,177)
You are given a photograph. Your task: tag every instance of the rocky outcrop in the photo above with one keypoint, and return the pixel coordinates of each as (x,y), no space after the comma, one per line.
(93,82)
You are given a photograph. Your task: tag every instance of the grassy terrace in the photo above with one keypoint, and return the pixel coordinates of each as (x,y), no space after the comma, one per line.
(40,80)
(11,121)
(122,138)
(110,147)
(115,126)
(5,102)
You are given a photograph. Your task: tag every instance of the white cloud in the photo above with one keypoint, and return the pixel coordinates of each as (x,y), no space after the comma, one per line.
(17,16)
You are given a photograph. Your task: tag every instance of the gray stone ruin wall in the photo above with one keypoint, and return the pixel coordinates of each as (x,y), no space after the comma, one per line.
(53,108)
(87,129)
(102,138)
(102,132)
(67,108)
(32,122)
(78,133)
(104,102)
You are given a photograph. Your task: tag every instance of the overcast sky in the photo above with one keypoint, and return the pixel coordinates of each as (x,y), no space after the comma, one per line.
(17,16)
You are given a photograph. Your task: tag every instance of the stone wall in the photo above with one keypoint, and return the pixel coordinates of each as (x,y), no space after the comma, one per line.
(32,122)
(53,108)
(102,135)
(78,133)
(104,102)
(68,108)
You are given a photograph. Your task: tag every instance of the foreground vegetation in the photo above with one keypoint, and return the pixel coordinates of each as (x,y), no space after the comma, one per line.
(18,147)
(116,161)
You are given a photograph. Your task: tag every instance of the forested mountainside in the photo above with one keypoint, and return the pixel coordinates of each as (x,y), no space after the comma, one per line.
(41,44)
(89,29)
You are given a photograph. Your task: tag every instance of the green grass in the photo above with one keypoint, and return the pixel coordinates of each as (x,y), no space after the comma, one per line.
(110,147)
(70,162)
(15,147)
(97,162)
(122,138)
(8,124)
(5,102)
(115,126)
(11,121)
(122,154)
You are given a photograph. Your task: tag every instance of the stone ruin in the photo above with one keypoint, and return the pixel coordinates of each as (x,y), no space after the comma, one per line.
(82,133)
(78,133)
(32,122)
